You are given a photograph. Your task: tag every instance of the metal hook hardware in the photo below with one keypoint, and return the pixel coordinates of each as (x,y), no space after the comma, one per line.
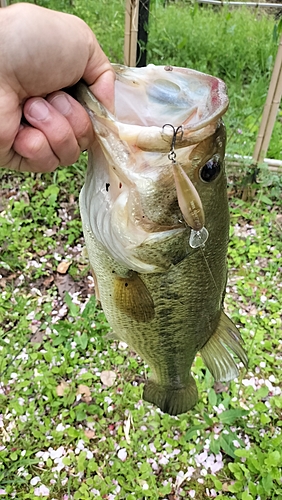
(176,130)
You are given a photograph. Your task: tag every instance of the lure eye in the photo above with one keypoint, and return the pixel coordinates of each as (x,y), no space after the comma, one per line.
(211,169)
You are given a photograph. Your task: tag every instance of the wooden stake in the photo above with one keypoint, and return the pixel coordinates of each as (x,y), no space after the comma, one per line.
(238,160)
(131,32)
(270,109)
(126,52)
(3,3)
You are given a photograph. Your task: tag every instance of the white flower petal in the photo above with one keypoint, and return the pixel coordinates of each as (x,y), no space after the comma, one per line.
(122,454)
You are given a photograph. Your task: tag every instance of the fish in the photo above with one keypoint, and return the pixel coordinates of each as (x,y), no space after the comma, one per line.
(155,219)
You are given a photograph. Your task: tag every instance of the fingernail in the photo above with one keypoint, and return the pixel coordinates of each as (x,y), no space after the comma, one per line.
(61,103)
(38,110)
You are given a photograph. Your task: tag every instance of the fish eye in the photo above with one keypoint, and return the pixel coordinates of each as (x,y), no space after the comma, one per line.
(211,169)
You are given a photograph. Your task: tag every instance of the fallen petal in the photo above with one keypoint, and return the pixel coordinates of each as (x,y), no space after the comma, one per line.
(108,377)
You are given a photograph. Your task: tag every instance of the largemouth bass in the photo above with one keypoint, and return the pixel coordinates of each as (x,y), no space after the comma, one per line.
(155,219)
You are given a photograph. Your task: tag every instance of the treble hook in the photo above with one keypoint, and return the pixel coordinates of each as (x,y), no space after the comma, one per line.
(176,130)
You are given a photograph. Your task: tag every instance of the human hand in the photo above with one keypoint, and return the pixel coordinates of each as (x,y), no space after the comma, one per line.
(41,52)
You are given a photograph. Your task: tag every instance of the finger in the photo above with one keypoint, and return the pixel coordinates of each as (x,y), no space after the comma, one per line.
(99,75)
(76,116)
(32,152)
(103,89)
(55,127)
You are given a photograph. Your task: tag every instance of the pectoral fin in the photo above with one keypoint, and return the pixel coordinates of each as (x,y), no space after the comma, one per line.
(133,298)
(215,355)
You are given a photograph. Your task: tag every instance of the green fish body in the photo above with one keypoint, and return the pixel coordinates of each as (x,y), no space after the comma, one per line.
(156,227)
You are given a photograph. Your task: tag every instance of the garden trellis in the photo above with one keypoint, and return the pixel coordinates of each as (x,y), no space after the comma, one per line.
(274,93)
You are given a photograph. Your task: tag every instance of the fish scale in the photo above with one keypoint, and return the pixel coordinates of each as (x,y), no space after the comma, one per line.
(161,296)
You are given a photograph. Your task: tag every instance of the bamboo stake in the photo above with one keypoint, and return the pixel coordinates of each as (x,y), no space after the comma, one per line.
(237,164)
(270,109)
(127,32)
(134,32)
(131,32)
(246,4)
(238,160)
(272,117)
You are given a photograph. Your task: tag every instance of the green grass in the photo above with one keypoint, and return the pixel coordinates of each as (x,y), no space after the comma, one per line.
(113,445)
(64,433)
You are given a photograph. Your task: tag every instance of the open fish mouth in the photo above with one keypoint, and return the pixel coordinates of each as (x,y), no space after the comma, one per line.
(143,190)
(156,95)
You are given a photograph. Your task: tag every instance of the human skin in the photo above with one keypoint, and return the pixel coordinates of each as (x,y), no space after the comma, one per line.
(41,52)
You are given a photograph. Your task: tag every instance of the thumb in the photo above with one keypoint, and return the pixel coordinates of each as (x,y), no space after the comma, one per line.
(99,75)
